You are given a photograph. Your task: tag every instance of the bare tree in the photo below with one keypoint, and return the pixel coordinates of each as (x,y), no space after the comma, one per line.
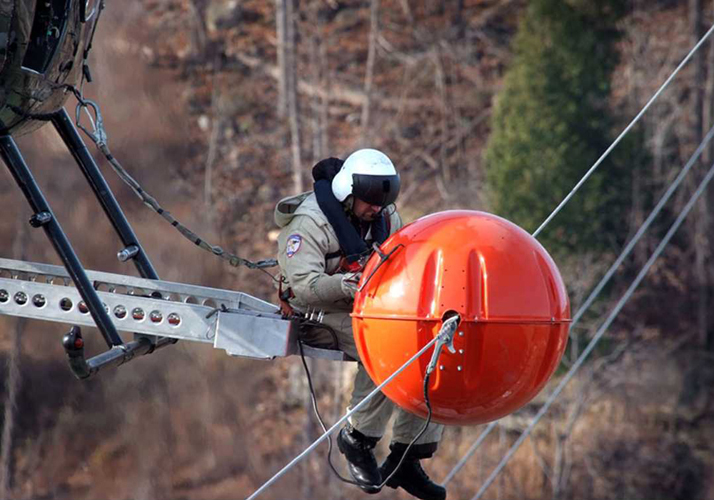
(12,385)
(369,73)
(292,95)
(282,33)
(708,155)
(319,104)
(198,35)
(407,10)
(701,220)
(216,128)
(440,83)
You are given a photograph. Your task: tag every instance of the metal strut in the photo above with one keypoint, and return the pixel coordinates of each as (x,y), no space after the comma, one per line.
(236,322)
(158,313)
(132,248)
(132,251)
(44,218)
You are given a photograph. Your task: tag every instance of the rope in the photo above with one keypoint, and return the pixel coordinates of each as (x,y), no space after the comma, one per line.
(99,138)
(624,132)
(643,272)
(608,275)
(98,135)
(347,415)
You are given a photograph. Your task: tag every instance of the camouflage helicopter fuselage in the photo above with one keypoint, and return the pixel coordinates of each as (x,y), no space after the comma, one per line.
(42,46)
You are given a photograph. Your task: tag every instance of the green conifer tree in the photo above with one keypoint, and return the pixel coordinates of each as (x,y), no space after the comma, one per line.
(551,122)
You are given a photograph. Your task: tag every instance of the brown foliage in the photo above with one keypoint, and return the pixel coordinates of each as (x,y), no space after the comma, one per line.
(190,84)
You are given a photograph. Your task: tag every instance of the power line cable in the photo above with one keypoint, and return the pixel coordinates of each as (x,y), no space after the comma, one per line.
(467,456)
(601,331)
(446,326)
(608,275)
(643,228)
(622,135)
(316,411)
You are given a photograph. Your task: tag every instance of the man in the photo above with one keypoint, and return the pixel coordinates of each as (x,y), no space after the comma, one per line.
(326,236)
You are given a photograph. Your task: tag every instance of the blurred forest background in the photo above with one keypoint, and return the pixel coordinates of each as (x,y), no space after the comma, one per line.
(221,107)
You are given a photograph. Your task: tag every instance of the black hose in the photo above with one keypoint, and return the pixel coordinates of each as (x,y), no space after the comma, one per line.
(329,439)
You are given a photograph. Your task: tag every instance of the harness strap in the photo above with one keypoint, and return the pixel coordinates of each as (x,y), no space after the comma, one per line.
(284,296)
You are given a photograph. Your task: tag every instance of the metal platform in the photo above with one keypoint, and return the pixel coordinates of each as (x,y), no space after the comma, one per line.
(236,322)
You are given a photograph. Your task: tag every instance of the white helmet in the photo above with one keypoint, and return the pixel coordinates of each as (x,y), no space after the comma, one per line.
(369,175)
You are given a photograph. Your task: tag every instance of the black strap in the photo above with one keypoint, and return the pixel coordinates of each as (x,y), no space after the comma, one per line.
(333,255)
(351,243)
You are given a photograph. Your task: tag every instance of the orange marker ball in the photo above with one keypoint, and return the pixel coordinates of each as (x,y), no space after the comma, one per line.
(513,305)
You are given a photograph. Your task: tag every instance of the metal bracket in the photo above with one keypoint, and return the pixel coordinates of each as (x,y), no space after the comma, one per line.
(40,219)
(128,253)
(238,323)
(445,338)
(382,259)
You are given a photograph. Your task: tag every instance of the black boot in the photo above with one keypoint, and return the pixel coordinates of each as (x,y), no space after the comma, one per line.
(357,449)
(410,475)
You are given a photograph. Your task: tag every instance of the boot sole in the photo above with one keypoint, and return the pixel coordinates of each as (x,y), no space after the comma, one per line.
(396,486)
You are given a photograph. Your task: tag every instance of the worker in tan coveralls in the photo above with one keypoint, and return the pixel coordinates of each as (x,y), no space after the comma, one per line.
(324,239)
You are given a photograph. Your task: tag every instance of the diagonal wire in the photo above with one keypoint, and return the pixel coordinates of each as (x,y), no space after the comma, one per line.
(635,238)
(643,228)
(469,453)
(593,342)
(624,132)
(341,420)
(601,331)
(608,275)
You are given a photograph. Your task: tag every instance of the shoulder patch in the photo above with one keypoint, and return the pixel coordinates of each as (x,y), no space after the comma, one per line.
(293,244)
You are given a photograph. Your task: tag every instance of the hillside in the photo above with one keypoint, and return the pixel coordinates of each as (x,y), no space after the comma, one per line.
(191,95)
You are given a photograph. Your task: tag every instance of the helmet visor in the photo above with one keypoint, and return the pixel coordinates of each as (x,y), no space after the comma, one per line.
(379,190)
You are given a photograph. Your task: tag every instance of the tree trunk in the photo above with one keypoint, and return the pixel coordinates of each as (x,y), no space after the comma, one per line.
(338,377)
(440,83)
(281,34)
(407,10)
(216,128)
(292,95)
(325,101)
(708,159)
(198,38)
(369,74)
(319,105)
(695,20)
(458,21)
(12,384)
(701,242)
(307,435)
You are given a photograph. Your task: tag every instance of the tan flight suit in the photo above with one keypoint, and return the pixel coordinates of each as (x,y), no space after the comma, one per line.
(306,238)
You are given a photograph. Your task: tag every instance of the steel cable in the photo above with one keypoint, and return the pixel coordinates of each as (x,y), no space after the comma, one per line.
(608,275)
(467,456)
(667,195)
(332,429)
(622,135)
(601,331)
